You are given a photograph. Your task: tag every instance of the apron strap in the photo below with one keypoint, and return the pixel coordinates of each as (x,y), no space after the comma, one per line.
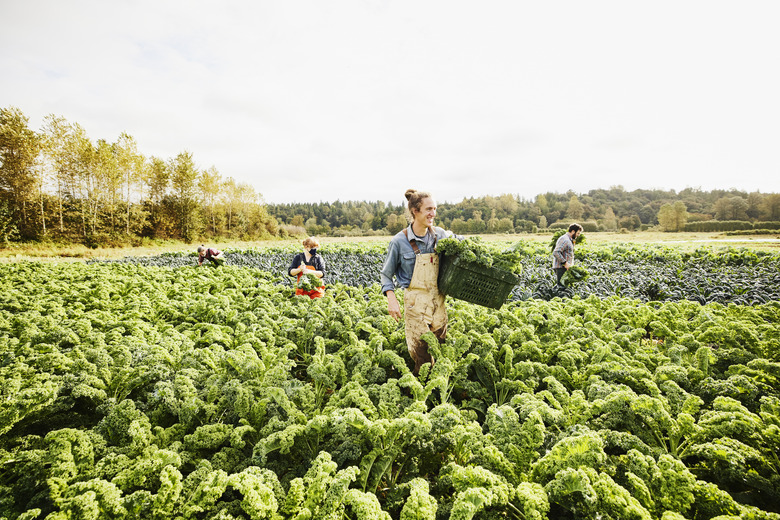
(413,242)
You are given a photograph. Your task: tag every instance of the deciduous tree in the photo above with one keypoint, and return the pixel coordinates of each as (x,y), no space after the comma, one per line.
(731,208)
(130,163)
(19,146)
(609,221)
(575,209)
(770,207)
(184,176)
(673,217)
(395,223)
(60,154)
(210,184)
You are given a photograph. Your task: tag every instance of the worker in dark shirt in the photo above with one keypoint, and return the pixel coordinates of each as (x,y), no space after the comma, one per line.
(312,263)
(215,256)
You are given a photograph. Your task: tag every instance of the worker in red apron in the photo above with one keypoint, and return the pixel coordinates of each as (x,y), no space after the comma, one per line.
(310,262)
(412,260)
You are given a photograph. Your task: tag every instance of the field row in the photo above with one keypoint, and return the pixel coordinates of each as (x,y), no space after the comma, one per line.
(645,273)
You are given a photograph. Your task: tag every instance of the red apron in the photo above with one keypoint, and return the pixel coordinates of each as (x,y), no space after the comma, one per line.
(317,292)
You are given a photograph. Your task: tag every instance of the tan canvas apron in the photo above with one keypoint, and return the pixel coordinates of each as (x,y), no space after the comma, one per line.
(424,308)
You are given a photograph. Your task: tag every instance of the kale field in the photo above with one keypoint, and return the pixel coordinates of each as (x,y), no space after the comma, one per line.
(149,388)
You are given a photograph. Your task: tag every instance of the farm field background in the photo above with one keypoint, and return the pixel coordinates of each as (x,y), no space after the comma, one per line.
(77,252)
(141,386)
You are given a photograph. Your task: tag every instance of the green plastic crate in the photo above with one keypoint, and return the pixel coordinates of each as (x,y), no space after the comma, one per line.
(485,286)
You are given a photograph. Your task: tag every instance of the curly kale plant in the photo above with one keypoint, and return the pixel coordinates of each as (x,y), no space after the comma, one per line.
(309,282)
(134,391)
(474,250)
(573,275)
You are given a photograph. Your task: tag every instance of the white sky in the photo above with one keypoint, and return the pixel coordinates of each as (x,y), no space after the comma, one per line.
(316,100)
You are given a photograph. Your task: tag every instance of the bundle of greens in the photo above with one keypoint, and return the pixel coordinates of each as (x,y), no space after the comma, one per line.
(573,275)
(474,250)
(309,282)
(580,240)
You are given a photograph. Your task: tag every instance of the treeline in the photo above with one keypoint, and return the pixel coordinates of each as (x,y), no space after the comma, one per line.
(612,209)
(58,184)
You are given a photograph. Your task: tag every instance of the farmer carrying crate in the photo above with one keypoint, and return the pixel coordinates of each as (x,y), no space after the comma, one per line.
(412,260)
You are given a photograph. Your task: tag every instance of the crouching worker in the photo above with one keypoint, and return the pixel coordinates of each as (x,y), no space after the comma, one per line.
(311,263)
(215,256)
(412,260)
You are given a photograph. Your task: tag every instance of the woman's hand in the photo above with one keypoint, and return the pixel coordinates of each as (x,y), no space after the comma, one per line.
(301,268)
(392,306)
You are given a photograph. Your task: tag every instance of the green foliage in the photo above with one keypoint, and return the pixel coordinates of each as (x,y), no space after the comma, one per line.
(710,226)
(308,282)
(673,217)
(8,229)
(132,391)
(474,250)
(573,275)
(420,504)
(580,240)
(650,273)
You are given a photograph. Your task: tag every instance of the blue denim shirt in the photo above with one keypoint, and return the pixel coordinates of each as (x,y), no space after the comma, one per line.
(401,257)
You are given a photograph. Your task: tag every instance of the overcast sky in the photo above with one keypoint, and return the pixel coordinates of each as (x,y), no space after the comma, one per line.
(317,100)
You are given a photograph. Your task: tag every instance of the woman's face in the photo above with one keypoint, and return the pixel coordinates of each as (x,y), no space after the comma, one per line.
(427,212)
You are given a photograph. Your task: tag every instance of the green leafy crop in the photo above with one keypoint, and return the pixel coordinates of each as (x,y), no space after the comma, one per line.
(474,250)
(131,391)
(309,282)
(573,275)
